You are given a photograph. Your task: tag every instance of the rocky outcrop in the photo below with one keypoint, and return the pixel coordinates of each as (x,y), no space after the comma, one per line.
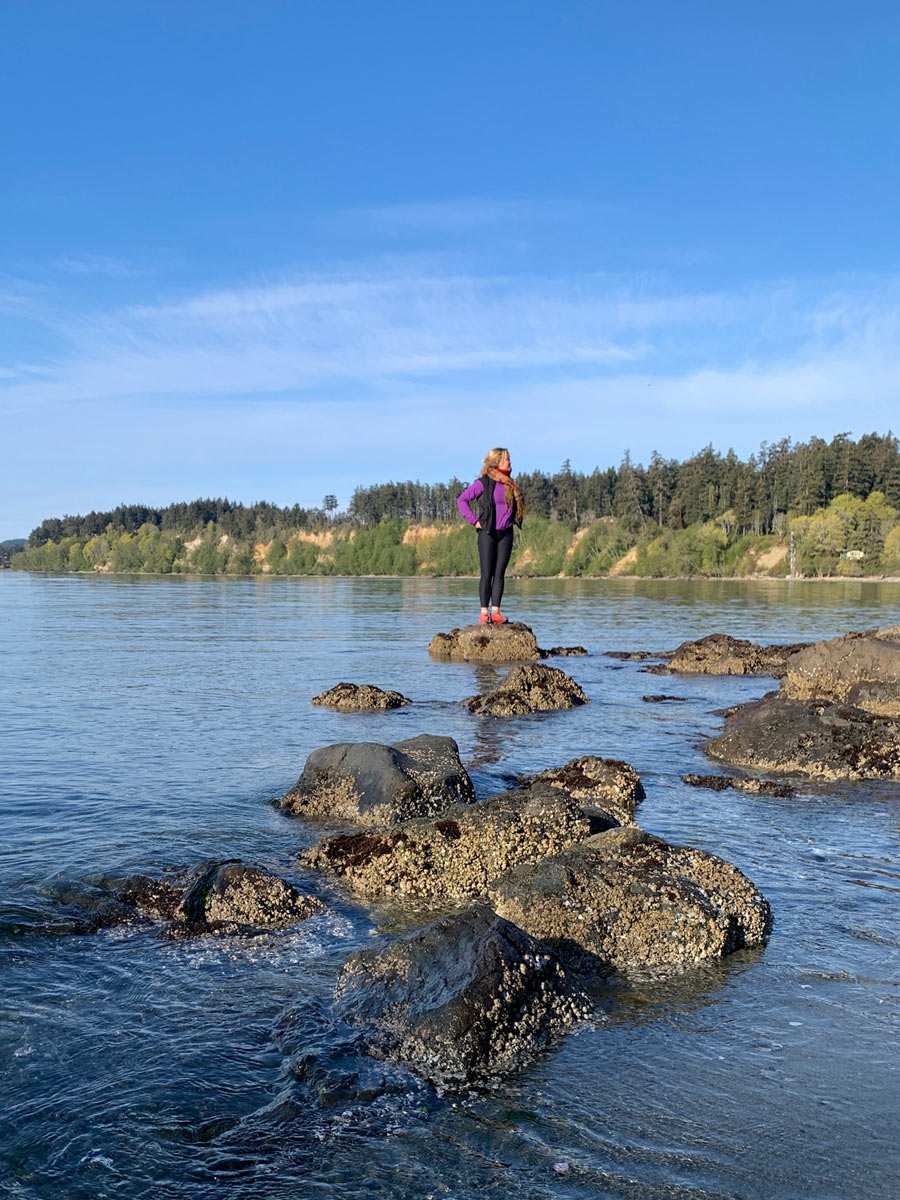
(564,652)
(359,697)
(457,854)
(467,999)
(719,654)
(366,783)
(627,901)
(230,897)
(526,690)
(213,897)
(863,671)
(605,787)
(818,739)
(509,643)
(720,783)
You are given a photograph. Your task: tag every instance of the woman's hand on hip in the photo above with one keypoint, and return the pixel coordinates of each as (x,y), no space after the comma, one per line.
(477,524)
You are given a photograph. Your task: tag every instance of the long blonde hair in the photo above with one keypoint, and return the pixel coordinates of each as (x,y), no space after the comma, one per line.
(493,458)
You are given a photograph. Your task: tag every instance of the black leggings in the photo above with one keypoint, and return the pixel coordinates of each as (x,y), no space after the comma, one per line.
(494,550)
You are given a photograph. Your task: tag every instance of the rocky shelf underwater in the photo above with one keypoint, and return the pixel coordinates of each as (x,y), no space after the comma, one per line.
(507,921)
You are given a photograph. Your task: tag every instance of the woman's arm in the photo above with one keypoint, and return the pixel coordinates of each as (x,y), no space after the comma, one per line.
(472,492)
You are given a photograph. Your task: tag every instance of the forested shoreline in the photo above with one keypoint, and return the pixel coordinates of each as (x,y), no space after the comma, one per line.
(822,508)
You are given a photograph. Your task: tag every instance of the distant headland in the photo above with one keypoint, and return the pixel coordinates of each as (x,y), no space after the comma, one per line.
(810,509)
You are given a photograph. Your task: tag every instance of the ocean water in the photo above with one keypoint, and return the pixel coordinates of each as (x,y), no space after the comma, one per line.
(148,722)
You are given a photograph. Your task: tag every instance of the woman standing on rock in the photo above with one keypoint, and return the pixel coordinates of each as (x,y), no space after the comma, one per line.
(500,508)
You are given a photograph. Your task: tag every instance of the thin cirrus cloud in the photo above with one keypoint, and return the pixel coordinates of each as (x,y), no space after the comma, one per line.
(786,344)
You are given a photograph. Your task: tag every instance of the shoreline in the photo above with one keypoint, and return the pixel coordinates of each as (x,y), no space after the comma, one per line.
(518,578)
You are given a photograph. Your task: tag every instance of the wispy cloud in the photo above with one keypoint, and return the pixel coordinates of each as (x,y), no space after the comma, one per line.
(99,264)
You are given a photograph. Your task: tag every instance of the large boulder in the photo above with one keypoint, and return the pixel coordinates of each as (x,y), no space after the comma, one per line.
(359,697)
(509,643)
(366,783)
(720,654)
(457,854)
(467,999)
(529,689)
(605,786)
(627,901)
(818,739)
(863,671)
(230,897)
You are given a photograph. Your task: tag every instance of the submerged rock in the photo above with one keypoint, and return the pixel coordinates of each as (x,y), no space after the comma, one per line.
(757,787)
(228,897)
(862,670)
(509,643)
(370,784)
(818,739)
(661,698)
(529,689)
(214,896)
(564,652)
(627,901)
(720,654)
(359,697)
(604,786)
(457,854)
(467,999)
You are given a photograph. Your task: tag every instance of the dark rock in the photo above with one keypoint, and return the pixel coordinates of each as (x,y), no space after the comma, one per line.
(863,670)
(90,906)
(604,786)
(661,698)
(564,652)
(627,901)
(229,897)
(456,855)
(468,999)
(156,898)
(633,655)
(371,784)
(758,787)
(529,689)
(817,739)
(509,643)
(359,697)
(715,783)
(719,654)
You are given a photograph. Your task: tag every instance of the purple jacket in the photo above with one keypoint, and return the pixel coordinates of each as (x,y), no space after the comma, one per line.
(504,516)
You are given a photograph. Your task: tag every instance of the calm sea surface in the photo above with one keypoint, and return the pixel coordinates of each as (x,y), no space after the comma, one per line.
(149,722)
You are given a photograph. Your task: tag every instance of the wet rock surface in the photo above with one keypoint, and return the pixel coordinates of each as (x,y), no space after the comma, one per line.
(513,642)
(529,689)
(367,783)
(818,739)
(469,998)
(720,654)
(661,698)
(757,787)
(605,787)
(457,854)
(221,897)
(564,652)
(229,897)
(863,670)
(625,900)
(359,697)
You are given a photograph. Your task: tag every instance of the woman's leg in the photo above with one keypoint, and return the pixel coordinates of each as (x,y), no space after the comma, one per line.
(487,557)
(504,550)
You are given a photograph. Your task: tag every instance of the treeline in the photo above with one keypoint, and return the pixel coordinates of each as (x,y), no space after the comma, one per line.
(783,477)
(822,507)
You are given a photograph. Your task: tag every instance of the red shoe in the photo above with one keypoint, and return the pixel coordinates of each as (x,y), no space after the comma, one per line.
(497,618)
(484,619)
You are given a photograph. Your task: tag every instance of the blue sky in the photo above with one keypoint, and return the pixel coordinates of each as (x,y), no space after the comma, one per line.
(273,250)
